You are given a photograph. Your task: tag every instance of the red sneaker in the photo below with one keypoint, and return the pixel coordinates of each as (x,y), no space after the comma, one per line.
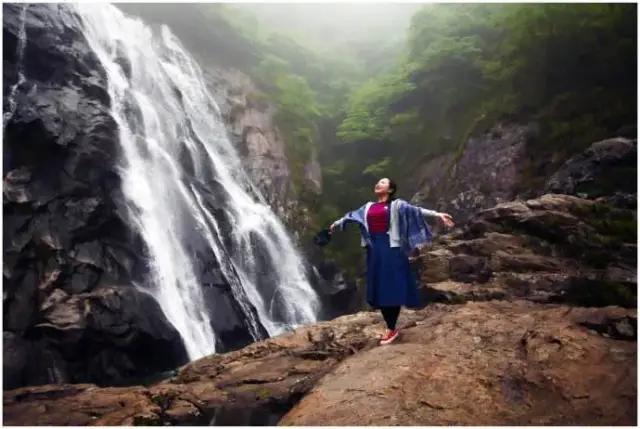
(389,337)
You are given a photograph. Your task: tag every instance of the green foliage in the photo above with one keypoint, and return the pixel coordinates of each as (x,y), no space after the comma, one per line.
(368,109)
(378,169)
(298,110)
(558,63)
(295,97)
(270,69)
(335,170)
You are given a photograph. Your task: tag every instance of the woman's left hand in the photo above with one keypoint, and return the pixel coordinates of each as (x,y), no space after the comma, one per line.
(446,219)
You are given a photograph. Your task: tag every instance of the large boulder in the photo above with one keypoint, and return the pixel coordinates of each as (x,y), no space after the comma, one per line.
(104,335)
(606,168)
(494,362)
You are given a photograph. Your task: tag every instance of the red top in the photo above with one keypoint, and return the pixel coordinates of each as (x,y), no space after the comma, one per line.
(377,217)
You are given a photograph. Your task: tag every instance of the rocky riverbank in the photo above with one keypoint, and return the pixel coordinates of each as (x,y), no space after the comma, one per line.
(495,362)
(532,327)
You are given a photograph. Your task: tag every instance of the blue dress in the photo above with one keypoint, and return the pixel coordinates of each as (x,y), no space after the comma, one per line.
(390,279)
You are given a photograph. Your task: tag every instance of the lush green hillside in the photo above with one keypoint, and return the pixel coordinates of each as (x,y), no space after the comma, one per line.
(570,66)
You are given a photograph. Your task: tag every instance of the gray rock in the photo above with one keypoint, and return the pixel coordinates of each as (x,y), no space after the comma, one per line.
(605,168)
(555,248)
(486,173)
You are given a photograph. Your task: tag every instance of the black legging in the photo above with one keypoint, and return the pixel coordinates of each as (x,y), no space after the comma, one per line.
(390,315)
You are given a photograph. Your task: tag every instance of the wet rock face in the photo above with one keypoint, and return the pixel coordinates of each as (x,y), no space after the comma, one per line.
(249,119)
(70,256)
(490,170)
(341,296)
(251,125)
(606,168)
(493,363)
(66,224)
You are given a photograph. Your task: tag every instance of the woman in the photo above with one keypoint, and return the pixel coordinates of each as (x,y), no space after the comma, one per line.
(391,228)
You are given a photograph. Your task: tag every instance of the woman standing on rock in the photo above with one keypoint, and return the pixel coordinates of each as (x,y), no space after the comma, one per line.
(391,229)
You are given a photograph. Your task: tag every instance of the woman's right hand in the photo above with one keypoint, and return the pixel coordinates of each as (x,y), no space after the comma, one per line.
(446,219)
(331,228)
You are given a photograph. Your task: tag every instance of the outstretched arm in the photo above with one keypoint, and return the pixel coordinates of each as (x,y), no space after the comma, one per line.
(336,224)
(429,212)
(445,218)
(339,223)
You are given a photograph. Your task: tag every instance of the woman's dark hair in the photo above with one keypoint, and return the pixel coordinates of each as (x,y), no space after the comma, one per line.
(393,190)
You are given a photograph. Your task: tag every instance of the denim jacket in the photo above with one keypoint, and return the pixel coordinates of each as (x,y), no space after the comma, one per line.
(407,227)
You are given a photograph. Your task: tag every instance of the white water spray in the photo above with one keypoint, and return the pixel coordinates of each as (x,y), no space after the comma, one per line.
(22,43)
(175,150)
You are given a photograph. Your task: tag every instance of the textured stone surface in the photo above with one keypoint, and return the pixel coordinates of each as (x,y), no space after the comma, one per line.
(484,174)
(494,362)
(493,168)
(555,248)
(607,167)
(250,120)
(69,254)
(491,363)
(67,230)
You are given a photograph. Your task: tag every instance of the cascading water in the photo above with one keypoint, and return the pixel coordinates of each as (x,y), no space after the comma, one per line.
(22,42)
(187,192)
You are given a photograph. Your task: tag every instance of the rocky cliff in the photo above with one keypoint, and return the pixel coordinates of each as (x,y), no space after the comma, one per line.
(250,119)
(524,326)
(70,312)
(505,163)
(71,253)
(484,172)
(558,247)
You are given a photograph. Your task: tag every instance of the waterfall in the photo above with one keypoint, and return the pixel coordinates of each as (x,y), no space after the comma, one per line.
(187,193)
(22,43)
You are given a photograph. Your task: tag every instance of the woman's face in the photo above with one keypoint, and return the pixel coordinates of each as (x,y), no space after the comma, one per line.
(382,187)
